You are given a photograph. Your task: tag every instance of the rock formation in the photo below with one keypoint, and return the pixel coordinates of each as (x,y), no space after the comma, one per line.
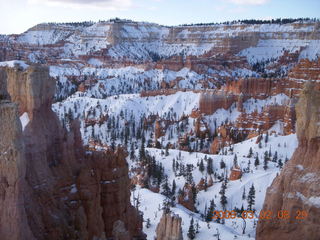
(235,174)
(185,198)
(13,218)
(55,187)
(169,227)
(297,189)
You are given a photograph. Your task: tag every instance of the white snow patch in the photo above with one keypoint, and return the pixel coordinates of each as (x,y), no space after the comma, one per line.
(14,63)
(24,119)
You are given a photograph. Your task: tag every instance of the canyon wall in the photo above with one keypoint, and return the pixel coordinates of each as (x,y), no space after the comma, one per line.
(296,189)
(13,217)
(55,187)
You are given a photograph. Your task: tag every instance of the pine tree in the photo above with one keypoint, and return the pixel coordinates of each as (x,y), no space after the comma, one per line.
(167,150)
(166,205)
(142,153)
(209,213)
(251,197)
(174,187)
(275,157)
(250,153)
(132,152)
(256,161)
(269,153)
(166,188)
(223,198)
(210,166)
(174,165)
(265,162)
(235,160)
(266,138)
(222,164)
(201,166)
(280,164)
(148,225)
(191,232)
(244,194)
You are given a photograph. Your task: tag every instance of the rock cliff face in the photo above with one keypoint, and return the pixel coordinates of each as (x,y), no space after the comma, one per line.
(297,187)
(169,227)
(13,217)
(57,189)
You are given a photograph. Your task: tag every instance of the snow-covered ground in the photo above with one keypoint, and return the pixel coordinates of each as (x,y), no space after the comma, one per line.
(151,203)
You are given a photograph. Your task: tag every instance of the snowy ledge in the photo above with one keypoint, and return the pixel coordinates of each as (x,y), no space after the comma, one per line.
(14,63)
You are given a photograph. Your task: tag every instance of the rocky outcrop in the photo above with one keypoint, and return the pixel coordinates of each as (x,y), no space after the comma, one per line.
(185,197)
(169,227)
(297,189)
(57,189)
(13,218)
(210,102)
(235,174)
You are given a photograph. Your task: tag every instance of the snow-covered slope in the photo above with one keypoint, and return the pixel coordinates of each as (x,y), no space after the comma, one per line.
(151,203)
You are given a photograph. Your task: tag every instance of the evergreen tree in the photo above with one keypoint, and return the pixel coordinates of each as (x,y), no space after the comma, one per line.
(174,165)
(142,152)
(223,198)
(256,161)
(244,194)
(174,187)
(265,162)
(209,213)
(222,164)
(201,166)
(280,164)
(166,205)
(166,191)
(167,150)
(235,160)
(132,152)
(148,225)
(269,153)
(251,197)
(266,138)
(191,232)
(210,166)
(275,157)
(250,153)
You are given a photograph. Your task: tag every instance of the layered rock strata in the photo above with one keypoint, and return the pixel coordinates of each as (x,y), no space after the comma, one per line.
(55,187)
(296,189)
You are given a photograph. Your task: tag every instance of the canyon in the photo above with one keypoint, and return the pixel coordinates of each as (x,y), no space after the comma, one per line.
(100,118)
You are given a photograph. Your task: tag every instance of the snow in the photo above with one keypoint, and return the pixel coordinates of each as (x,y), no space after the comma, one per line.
(274,48)
(14,63)
(253,104)
(151,202)
(73,188)
(95,62)
(312,201)
(143,41)
(114,93)
(24,119)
